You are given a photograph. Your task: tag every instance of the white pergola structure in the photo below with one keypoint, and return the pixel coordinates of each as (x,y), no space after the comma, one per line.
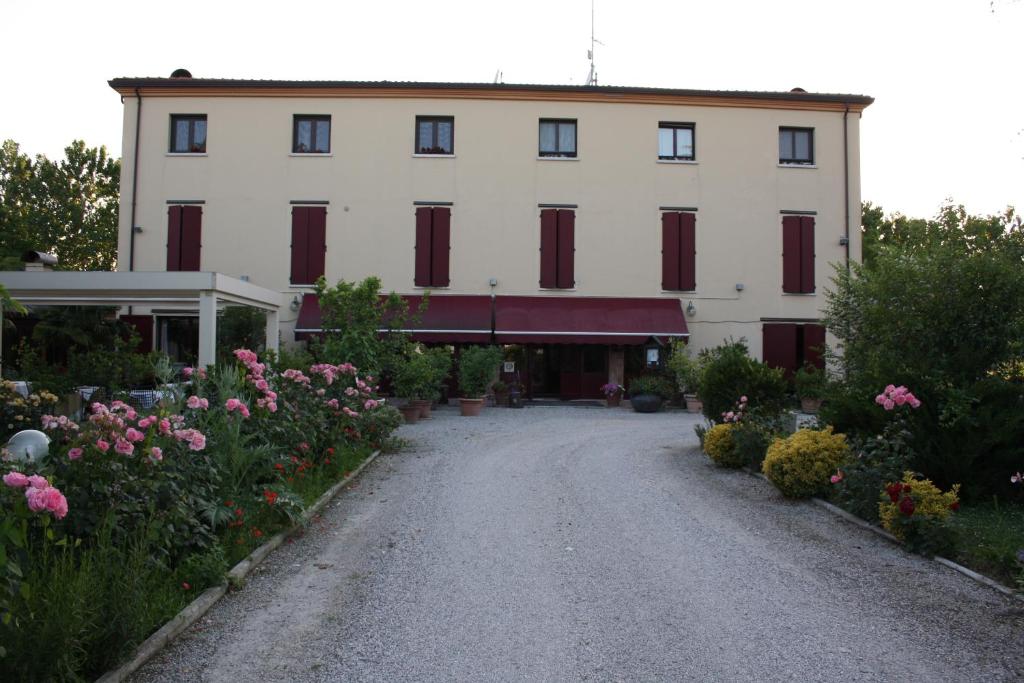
(203,291)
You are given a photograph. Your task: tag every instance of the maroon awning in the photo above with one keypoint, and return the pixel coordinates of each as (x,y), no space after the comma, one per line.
(586,320)
(448,318)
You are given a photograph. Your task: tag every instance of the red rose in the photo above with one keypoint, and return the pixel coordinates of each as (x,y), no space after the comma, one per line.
(894,491)
(954,506)
(907,506)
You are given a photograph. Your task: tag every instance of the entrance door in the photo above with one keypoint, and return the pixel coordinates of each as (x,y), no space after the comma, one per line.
(595,371)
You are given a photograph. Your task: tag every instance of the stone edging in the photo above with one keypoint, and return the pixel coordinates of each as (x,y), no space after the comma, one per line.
(198,607)
(857,521)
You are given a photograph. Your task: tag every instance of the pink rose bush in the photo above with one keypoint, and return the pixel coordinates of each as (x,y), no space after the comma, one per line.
(39,495)
(893,396)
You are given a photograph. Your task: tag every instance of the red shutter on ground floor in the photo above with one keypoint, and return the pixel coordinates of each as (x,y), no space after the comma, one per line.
(300,245)
(316,251)
(670,251)
(548,248)
(191,237)
(791,264)
(687,251)
(174,238)
(566,248)
(440,245)
(780,346)
(814,345)
(807,254)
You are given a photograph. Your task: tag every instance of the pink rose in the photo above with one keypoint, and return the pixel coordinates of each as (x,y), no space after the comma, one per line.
(271,406)
(165,426)
(194,402)
(54,501)
(900,399)
(243,410)
(124,447)
(880,399)
(889,404)
(370,404)
(262,385)
(198,442)
(35,500)
(156,454)
(134,435)
(74,454)
(37,482)
(914,402)
(232,404)
(16,480)
(889,388)
(102,445)
(187,372)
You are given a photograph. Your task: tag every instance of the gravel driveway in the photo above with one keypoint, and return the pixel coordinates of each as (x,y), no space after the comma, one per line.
(571,544)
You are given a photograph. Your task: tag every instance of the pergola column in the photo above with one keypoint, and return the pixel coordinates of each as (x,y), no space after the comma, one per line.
(207,328)
(272,330)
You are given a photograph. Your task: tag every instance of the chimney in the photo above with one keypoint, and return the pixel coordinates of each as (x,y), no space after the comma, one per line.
(38,261)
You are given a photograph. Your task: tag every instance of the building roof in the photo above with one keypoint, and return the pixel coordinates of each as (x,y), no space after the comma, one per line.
(232,87)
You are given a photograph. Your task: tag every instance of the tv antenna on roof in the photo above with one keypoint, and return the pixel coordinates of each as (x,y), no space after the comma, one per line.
(592,76)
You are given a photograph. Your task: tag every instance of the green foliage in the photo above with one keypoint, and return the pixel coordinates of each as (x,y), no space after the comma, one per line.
(68,207)
(873,462)
(421,374)
(988,538)
(478,366)
(939,309)
(730,372)
(240,327)
(917,512)
(686,368)
(810,382)
(652,385)
(353,316)
(800,466)
(753,435)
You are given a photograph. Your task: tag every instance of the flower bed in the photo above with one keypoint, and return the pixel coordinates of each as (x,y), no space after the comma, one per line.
(132,514)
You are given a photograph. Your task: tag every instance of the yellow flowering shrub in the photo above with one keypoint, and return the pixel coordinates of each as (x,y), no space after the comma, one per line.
(18,412)
(915,510)
(719,445)
(801,464)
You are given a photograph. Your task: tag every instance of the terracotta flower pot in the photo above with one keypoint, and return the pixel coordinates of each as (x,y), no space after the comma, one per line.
(410,412)
(693,404)
(423,406)
(613,400)
(810,405)
(471,407)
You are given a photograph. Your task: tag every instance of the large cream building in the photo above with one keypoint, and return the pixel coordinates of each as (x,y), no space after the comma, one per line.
(587,224)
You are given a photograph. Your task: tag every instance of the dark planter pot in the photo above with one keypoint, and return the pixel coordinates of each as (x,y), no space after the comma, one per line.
(471,407)
(423,406)
(410,412)
(646,403)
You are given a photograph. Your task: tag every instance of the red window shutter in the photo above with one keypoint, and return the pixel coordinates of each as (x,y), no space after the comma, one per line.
(807,254)
(548,248)
(566,248)
(441,242)
(300,245)
(780,350)
(423,246)
(670,250)
(687,252)
(191,236)
(814,345)
(791,270)
(316,236)
(143,325)
(174,238)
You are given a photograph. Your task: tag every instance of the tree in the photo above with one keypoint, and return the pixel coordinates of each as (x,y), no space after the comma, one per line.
(68,208)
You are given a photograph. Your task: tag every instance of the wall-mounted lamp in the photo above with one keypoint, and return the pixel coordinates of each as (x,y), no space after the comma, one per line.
(691,310)
(844,240)
(296,303)
(740,286)
(137,228)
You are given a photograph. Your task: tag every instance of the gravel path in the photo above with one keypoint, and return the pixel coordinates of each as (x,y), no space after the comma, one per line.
(572,544)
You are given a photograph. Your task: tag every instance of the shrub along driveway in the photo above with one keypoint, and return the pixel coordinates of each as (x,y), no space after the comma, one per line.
(589,544)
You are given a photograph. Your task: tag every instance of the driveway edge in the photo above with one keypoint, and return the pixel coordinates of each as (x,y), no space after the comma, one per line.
(208,598)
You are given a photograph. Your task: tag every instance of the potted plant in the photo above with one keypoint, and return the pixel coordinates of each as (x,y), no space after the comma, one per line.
(687,371)
(810,387)
(439,363)
(613,394)
(500,390)
(647,393)
(412,381)
(477,367)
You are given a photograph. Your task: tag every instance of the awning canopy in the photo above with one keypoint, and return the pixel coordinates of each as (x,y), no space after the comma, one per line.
(448,318)
(586,320)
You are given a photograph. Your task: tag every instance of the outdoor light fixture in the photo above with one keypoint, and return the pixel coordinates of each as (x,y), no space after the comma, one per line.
(296,303)
(844,240)
(29,445)
(691,310)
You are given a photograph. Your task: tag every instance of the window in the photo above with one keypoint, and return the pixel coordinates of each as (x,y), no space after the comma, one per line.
(558,137)
(311,135)
(675,141)
(188,133)
(557,248)
(796,145)
(790,346)
(309,243)
(184,237)
(798,254)
(678,251)
(433,242)
(435,135)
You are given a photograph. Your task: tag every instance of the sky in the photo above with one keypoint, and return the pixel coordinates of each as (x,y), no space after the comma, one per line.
(948,120)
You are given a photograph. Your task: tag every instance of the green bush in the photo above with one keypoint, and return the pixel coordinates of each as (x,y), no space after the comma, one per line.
(652,384)
(685,368)
(802,465)
(478,366)
(730,372)
(810,382)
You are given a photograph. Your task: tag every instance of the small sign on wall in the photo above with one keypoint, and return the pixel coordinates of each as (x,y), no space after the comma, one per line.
(509,366)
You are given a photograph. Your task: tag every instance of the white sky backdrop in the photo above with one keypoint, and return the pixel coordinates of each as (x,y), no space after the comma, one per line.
(946,74)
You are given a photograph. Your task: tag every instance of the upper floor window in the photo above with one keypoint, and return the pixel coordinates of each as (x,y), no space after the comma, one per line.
(435,135)
(675,141)
(796,145)
(558,137)
(188,133)
(311,134)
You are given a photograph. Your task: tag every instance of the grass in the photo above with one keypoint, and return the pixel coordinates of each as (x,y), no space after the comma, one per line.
(988,537)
